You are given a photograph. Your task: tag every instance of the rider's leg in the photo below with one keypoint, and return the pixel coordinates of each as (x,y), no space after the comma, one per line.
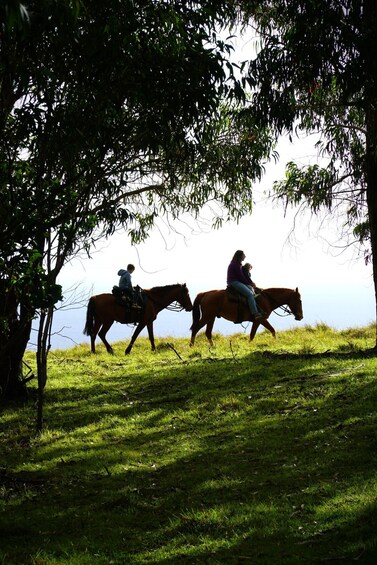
(245,291)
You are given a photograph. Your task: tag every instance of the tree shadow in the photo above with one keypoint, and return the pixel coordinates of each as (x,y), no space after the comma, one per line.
(265,487)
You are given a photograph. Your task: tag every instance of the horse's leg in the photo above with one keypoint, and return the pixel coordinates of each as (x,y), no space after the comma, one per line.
(193,334)
(195,319)
(93,343)
(93,335)
(264,323)
(209,331)
(205,309)
(139,328)
(194,331)
(253,331)
(102,334)
(151,335)
(268,327)
(198,326)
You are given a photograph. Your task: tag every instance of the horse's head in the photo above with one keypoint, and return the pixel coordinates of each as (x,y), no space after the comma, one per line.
(184,298)
(295,305)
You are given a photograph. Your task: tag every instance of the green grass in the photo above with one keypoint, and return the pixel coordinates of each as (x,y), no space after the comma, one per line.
(261,453)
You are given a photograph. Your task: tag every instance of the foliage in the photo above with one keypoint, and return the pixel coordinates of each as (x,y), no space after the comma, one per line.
(260,453)
(111,114)
(116,118)
(316,71)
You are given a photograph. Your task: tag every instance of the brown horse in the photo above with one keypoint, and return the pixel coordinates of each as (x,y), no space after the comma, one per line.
(103,310)
(222,304)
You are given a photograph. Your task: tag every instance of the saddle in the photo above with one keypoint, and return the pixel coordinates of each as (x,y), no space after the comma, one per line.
(132,301)
(234,296)
(240,300)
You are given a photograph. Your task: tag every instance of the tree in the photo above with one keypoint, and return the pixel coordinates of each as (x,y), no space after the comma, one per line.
(316,71)
(112,112)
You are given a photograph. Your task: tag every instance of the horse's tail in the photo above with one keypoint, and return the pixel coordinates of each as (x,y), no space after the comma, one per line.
(196,310)
(89,317)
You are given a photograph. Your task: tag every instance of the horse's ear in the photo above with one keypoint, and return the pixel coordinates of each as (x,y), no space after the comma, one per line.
(297,290)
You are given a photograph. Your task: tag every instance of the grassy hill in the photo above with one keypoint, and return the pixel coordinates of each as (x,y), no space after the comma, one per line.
(261,453)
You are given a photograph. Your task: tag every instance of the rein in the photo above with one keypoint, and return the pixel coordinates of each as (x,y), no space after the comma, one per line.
(174,307)
(286,310)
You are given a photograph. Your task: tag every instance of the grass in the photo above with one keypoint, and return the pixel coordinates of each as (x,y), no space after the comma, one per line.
(260,453)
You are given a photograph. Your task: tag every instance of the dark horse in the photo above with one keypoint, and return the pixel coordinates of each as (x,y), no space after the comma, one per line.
(222,304)
(103,310)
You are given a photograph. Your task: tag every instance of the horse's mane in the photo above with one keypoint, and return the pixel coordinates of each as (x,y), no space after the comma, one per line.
(279,288)
(166,287)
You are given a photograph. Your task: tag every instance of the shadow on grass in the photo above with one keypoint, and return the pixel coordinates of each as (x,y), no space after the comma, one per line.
(210,462)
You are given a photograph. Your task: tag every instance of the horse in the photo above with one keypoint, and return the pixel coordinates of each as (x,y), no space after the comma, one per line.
(104,309)
(233,307)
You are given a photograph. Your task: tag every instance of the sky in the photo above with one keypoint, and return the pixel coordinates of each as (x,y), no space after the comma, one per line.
(336,286)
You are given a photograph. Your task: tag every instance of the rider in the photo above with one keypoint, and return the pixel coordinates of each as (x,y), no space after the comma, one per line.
(125,284)
(238,280)
(246,268)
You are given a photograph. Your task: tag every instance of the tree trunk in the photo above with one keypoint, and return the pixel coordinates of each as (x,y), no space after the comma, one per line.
(14,336)
(371,157)
(45,324)
(370,18)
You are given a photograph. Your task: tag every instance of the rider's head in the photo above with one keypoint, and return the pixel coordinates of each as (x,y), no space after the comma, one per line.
(239,256)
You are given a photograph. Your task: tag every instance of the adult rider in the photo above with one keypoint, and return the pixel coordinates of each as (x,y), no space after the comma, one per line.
(237,280)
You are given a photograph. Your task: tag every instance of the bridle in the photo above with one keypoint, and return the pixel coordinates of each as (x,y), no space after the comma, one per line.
(286,310)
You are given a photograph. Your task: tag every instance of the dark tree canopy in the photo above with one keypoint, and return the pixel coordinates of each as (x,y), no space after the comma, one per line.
(316,71)
(112,112)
